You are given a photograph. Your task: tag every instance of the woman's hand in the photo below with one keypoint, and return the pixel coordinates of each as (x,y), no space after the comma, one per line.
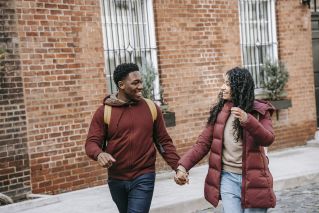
(240,114)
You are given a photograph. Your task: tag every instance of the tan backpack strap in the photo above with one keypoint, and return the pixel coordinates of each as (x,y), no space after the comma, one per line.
(152,107)
(107,114)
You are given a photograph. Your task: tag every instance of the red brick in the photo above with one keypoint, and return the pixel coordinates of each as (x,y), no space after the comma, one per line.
(61,57)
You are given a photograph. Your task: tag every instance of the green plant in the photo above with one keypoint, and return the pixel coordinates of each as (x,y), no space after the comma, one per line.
(148,75)
(2,53)
(164,105)
(275,77)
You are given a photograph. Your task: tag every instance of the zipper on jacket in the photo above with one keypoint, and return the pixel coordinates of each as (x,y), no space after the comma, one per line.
(263,162)
(266,176)
(130,141)
(244,185)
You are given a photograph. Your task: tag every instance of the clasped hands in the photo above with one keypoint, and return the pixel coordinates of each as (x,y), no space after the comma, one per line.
(181,176)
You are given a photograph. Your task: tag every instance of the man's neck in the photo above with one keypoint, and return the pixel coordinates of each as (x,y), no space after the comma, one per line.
(122,97)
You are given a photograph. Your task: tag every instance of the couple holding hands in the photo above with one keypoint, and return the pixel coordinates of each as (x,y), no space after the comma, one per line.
(237,131)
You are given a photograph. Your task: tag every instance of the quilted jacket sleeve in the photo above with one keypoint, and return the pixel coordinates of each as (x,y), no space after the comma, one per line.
(261,130)
(198,150)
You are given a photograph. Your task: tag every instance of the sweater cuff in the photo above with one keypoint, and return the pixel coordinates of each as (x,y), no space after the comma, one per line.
(96,154)
(243,124)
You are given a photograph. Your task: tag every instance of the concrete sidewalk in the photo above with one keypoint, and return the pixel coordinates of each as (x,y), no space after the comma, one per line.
(290,167)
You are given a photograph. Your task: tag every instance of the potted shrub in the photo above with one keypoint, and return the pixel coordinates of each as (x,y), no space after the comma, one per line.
(275,77)
(148,75)
(2,52)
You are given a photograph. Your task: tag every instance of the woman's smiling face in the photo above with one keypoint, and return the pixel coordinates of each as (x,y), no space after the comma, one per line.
(225,89)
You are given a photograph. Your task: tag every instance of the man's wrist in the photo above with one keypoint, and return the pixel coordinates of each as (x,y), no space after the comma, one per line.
(97,155)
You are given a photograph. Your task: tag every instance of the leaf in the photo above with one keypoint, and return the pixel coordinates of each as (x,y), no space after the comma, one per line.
(275,78)
(148,75)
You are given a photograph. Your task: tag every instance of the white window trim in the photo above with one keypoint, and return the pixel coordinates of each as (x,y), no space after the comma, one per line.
(272,12)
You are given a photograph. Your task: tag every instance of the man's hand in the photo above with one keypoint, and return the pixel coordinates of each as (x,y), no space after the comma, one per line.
(181,176)
(106,160)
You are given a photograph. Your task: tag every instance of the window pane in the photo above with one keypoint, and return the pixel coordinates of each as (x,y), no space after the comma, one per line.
(258,35)
(128,31)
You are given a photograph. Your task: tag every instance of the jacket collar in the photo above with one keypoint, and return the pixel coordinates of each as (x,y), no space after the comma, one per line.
(262,107)
(259,106)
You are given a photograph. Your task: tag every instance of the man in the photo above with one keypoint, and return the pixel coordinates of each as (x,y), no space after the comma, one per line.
(130,153)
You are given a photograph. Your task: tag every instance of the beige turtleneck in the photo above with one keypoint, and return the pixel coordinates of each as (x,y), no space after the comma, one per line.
(232,150)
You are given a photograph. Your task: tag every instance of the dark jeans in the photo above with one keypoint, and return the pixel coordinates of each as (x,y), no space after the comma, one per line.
(134,195)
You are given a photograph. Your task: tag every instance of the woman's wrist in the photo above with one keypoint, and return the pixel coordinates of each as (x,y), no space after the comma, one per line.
(181,169)
(243,118)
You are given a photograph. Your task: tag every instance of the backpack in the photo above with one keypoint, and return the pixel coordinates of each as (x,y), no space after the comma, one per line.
(152,107)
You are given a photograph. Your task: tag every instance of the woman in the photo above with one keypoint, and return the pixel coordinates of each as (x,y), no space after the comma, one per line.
(238,129)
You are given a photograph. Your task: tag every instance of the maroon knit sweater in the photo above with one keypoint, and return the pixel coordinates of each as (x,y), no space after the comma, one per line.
(130,139)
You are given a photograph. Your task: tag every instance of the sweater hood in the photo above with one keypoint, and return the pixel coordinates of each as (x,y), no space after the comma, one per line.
(112,100)
(262,107)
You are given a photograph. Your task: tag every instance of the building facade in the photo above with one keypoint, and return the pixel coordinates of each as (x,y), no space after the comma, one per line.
(59,60)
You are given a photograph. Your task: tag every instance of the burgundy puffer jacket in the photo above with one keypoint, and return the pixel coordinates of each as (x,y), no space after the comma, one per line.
(257,184)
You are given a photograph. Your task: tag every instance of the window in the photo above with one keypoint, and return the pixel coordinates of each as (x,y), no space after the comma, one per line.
(258,36)
(314,6)
(129,36)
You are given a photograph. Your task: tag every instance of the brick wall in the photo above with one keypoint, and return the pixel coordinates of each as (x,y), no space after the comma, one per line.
(196,44)
(14,160)
(199,40)
(61,53)
(61,56)
(298,123)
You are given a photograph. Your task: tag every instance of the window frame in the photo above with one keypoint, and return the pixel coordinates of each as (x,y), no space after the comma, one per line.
(244,27)
(132,23)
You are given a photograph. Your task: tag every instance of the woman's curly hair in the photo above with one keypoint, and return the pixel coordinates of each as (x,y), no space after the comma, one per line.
(242,89)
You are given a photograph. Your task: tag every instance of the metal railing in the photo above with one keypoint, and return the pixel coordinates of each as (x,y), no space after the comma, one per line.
(314,6)
(128,31)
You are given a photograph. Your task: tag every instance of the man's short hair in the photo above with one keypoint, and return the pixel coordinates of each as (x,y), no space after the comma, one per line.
(122,70)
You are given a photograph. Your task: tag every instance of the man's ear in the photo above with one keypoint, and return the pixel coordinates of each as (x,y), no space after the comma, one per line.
(121,84)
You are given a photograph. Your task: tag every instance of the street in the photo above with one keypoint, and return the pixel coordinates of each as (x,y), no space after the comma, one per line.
(303,199)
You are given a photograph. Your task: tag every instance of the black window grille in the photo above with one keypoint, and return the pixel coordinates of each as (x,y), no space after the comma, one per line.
(314,6)
(128,32)
(258,36)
